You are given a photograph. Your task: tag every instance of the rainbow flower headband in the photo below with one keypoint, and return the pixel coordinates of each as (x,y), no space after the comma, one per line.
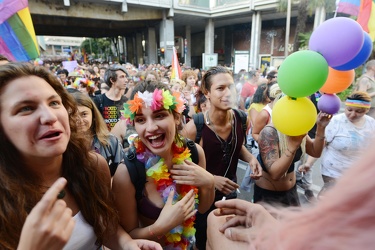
(80,80)
(159,99)
(357,103)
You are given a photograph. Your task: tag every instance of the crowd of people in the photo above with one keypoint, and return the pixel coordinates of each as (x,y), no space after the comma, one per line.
(123,157)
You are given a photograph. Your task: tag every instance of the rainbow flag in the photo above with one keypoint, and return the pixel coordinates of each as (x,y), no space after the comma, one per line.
(17,35)
(350,7)
(366,17)
(176,69)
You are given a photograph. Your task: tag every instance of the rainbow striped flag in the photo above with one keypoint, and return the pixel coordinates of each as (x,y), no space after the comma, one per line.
(17,35)
(176,69)
(350,7)
(366,17)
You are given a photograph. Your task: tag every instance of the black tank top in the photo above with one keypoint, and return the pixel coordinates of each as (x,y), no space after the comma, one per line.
(216,162)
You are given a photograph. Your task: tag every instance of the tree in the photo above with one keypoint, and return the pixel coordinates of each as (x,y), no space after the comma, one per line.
(97,46)
(305,8)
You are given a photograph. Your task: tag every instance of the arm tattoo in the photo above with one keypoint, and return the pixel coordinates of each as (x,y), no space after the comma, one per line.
(269,146)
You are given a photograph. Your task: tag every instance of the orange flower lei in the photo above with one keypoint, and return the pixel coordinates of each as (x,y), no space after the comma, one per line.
(180,236)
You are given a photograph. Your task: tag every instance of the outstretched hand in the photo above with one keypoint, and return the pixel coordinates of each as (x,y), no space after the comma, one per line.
(244,218)
(50,223)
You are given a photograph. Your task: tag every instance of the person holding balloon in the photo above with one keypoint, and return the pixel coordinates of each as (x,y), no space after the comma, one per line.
(346,137)
(277,154)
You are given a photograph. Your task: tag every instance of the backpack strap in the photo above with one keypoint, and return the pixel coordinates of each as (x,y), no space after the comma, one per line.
(98,100)
(193,150)
(243,117)
(198,121)
(136,171)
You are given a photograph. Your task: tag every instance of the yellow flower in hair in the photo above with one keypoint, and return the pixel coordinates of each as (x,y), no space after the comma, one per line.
(167,98)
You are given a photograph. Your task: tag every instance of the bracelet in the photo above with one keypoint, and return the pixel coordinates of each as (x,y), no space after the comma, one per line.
(152,233)
(319,136)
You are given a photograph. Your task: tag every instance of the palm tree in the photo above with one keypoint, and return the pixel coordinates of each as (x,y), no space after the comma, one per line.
(305,8)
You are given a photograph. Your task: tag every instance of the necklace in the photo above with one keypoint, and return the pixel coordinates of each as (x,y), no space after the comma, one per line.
(226,147)
(180,236)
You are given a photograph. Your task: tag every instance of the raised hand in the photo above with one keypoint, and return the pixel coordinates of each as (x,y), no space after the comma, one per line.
(244,219)
(49,224)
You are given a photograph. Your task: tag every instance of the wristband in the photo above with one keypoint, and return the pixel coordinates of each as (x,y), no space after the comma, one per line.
(320,137)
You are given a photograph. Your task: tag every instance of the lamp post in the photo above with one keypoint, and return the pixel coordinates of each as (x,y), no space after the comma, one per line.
(287,31)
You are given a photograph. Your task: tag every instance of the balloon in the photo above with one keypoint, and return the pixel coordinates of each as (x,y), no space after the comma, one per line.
(302,73)
(338,39)
(329,103)
(361,57)
(337,81)
(294,116)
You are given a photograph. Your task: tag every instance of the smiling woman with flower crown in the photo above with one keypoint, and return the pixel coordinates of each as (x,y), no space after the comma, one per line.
(175,187)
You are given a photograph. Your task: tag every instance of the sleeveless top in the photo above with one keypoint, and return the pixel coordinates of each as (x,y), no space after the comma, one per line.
(147,208)
(269,110)
(216,160)
(83,236)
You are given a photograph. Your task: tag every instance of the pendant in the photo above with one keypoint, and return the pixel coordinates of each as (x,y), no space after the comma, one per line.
(61,194)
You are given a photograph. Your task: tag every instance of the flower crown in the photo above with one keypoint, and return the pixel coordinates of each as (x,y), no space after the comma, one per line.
(159,99)
(80,80)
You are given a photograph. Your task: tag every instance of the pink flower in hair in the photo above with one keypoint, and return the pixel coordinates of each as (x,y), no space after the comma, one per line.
(157,102)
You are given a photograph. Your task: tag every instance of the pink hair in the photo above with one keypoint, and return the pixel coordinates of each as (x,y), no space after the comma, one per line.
(343,219)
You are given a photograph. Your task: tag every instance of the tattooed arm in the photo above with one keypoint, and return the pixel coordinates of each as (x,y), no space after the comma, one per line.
(276,165)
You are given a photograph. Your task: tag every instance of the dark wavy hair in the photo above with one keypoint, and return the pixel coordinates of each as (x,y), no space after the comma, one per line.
(261,94)
(21,189)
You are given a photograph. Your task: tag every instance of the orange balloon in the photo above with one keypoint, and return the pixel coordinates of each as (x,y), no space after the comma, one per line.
(337,81)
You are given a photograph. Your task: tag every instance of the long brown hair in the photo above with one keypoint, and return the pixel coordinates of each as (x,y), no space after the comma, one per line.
(98,126)
(20,189)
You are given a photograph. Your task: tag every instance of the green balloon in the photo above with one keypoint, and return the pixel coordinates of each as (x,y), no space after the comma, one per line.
(302,73)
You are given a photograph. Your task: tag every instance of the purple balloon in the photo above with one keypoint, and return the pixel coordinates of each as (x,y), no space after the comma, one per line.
(329,103)
(361,57)
(338,39)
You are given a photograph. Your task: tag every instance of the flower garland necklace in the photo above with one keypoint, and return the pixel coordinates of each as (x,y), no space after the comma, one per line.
(180,236)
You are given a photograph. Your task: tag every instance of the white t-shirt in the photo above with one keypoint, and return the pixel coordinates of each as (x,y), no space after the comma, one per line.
(345,142)
(83,236)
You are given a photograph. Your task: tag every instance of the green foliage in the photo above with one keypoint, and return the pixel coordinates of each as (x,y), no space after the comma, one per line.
(344,94)
(304,40)
(97,46)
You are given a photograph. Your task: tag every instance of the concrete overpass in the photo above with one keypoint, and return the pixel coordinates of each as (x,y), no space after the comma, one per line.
(156,21)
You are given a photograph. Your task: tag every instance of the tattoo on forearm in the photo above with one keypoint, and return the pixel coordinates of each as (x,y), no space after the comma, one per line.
(269,146)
